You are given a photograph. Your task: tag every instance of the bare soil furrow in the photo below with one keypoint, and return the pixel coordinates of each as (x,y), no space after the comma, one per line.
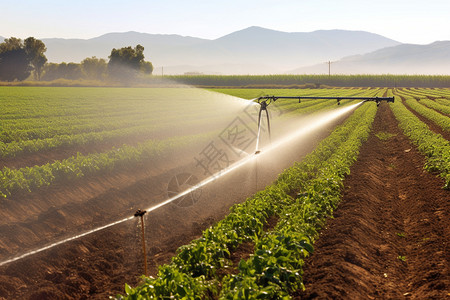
(389,236)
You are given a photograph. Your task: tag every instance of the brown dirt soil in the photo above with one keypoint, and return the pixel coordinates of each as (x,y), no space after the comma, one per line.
(97,265)
(389,238)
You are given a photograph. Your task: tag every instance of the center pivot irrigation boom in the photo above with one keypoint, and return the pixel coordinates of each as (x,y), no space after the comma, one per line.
(264,102)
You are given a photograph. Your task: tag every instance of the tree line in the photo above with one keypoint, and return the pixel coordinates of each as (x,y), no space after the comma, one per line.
(21,59)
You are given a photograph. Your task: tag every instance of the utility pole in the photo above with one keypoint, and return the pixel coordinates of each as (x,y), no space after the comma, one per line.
(162,71)
(329,67)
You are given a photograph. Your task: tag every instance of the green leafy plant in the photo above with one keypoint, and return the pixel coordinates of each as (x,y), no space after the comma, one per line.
(435,148)
(384,135)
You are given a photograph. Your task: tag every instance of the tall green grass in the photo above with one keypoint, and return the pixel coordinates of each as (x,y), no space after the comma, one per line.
(311,81)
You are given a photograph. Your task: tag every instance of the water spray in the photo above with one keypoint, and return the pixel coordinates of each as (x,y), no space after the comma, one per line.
(250,157)
(265,101)
(263,107)
(141,213)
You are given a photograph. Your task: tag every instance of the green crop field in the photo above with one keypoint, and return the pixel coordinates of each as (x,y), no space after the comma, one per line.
(313,81)
(67,153)
(36,120)
(274,269)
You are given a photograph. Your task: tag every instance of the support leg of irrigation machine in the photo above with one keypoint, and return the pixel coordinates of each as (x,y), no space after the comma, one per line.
(263,106)
(141,213)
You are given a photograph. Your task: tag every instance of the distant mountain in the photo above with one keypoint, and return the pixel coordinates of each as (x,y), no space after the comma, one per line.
(254,50)
(433,58)
(256,44)
(75,50)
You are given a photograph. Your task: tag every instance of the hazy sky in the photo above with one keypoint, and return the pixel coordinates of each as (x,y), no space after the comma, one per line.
(407,21)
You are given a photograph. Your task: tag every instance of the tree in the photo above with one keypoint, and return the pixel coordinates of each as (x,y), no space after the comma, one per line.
(54,71)
(147,67)
(11,44)
(126,63)
(50,71)
(35,50)
(14,62)
(73,71)
(94,68)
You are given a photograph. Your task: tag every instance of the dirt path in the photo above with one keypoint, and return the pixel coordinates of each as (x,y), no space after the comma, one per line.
(389,237)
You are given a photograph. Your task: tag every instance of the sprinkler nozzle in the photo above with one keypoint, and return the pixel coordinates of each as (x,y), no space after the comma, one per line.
(140,213)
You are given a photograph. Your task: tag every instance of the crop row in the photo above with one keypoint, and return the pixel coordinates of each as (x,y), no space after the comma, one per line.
(275,268)
(57,117)
(423,97)
(430,114)
(435,148)
(32,178)
(437,106)
(143,129)
(440,96)
(445,102)
(432,92)
(93,114)
(65,102)
(34,128)
(20,103)
(10,134)
(14,148)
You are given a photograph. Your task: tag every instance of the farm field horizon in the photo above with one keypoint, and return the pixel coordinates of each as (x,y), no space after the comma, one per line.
(82,160)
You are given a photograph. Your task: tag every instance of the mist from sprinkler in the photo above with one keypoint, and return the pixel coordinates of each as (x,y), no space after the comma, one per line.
(324,119)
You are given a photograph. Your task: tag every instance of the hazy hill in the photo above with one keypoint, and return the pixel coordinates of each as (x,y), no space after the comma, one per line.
(75,50)
(257,50)
(260,45)
(254,50)
(433,58)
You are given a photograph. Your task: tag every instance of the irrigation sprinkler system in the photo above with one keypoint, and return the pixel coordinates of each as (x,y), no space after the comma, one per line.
(265,101)
(141,213)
